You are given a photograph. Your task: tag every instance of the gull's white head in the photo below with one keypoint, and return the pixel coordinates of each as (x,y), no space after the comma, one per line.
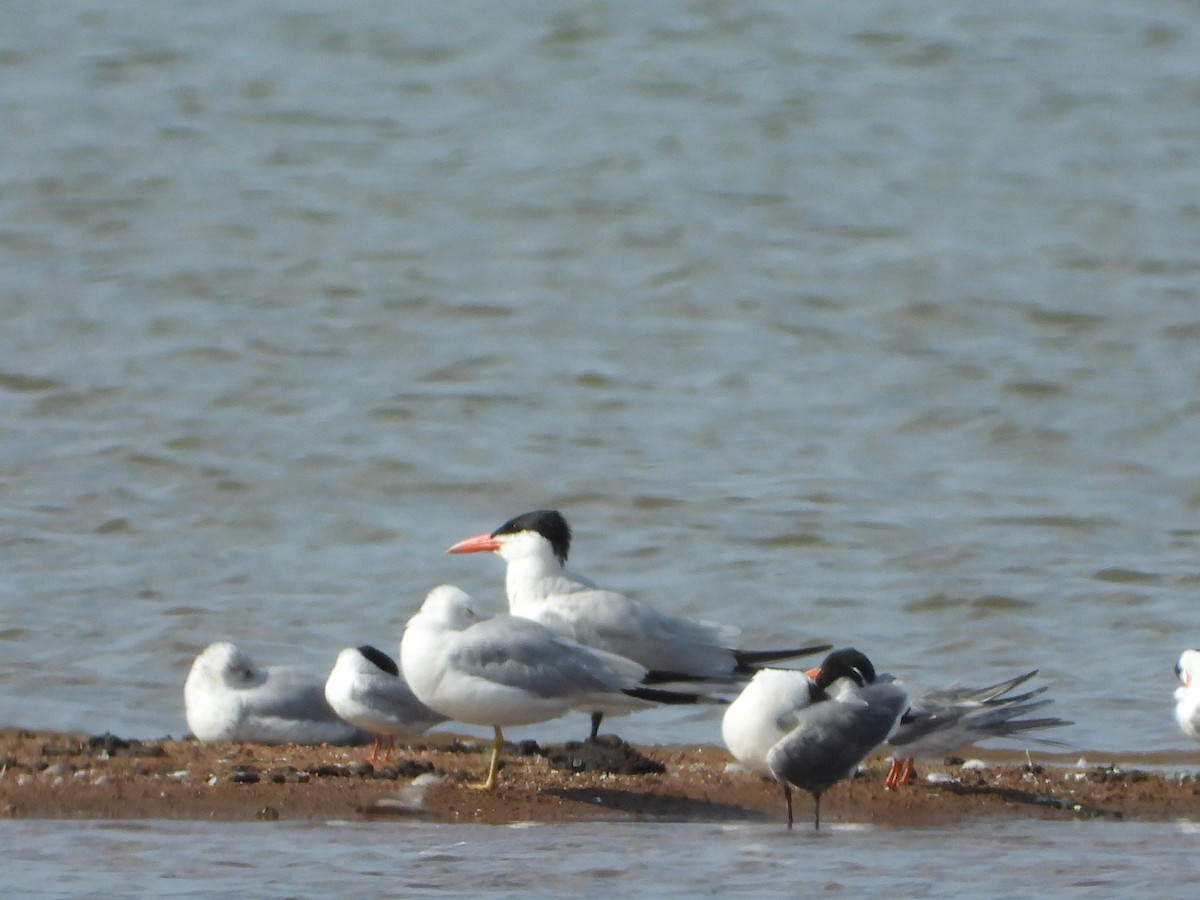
(222,664)
(212,695)
(447,607)
(1187,670)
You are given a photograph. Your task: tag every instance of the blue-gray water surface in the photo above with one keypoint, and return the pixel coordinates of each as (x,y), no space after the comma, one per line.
(877,323)
(197,859)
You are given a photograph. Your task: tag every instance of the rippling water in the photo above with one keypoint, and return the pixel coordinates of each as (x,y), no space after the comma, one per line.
(869,322)
(173,859)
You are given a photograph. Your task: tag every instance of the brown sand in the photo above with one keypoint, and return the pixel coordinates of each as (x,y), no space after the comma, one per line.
(49,775)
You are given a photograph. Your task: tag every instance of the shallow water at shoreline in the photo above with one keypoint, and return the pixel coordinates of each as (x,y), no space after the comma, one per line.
(181,859)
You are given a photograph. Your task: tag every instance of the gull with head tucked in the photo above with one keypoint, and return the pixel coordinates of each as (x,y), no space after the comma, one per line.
(228,698)
(365,688)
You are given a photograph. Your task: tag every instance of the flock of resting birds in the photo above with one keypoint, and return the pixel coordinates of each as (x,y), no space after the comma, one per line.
(568,645)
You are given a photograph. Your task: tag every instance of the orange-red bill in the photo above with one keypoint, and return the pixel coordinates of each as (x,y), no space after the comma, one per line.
(480,543)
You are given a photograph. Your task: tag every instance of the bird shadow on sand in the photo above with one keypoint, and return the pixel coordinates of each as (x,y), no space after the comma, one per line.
(656,806)
(1018,796)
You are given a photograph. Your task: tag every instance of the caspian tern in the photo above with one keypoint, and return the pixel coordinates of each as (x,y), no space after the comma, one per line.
(1187,696)
(939,722)
(810,730)
(673,648)
(228,698)
(365,689)
(507,670)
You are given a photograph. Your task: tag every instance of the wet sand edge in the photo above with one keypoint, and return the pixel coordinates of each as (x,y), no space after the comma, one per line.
(49,775)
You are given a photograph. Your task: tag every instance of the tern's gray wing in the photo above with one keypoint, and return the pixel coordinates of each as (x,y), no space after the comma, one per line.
(971,723)
(393,695)
(941,721)
(523,654)
(658,640)
(992,693)
(833,737)
(290,707)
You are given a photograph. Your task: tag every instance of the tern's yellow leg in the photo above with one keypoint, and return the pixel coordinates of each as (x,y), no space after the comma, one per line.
(494,769)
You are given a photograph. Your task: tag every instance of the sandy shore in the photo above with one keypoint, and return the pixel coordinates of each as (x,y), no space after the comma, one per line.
(50,775)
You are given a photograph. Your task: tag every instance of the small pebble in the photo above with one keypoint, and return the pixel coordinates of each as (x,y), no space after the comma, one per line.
(327,770)
(288,775)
